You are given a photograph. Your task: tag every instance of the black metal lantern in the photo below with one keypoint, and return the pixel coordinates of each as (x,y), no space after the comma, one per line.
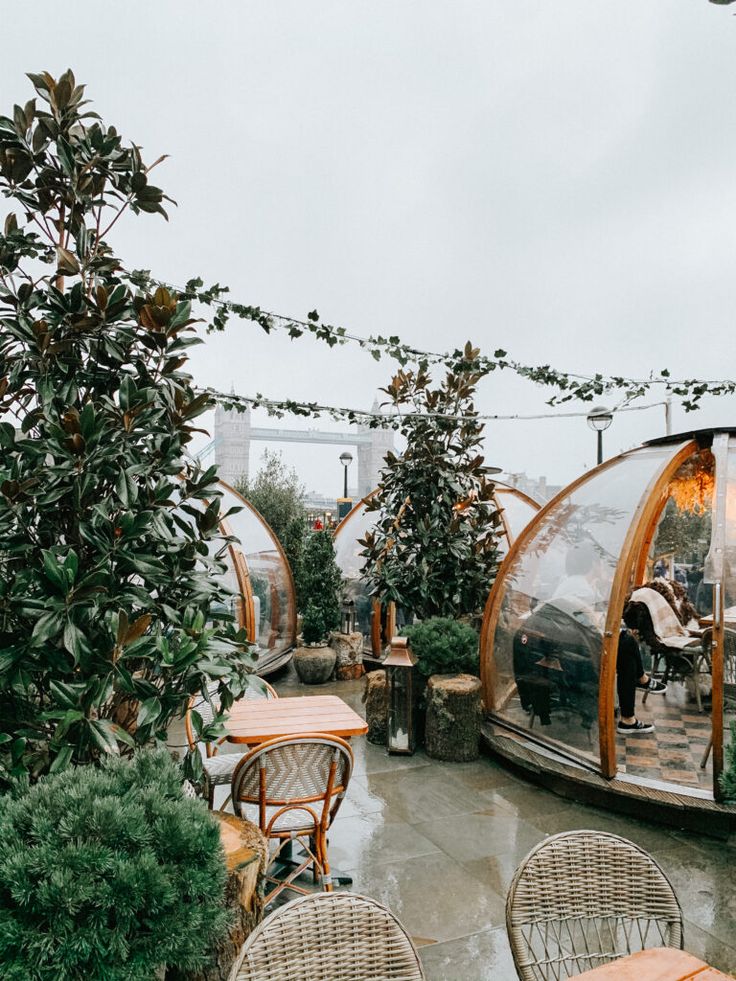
(347,617)
(402,697)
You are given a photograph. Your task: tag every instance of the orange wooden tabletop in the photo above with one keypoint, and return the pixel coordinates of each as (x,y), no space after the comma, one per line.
(658,964)
(254,721)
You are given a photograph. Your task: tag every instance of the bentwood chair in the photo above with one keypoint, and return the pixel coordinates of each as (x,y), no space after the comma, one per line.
(334,936)
(292,788)
(218,769)
(583,898)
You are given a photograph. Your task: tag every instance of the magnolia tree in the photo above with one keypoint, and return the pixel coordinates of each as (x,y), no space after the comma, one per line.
(433,549)
(112,611)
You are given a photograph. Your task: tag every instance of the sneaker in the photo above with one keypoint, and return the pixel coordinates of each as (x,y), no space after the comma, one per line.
(634,728)
(654,687)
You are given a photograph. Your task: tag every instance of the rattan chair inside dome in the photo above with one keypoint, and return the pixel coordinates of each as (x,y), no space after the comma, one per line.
(329,937)
(583,898)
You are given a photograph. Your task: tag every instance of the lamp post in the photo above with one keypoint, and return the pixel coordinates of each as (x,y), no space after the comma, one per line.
(599,419)
(344,503)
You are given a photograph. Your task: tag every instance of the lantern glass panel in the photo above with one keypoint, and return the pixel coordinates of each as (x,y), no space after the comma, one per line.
(400,710)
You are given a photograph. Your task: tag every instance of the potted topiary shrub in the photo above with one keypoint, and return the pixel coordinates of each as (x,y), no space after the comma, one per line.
(447,655)
(315,660)
(109,872)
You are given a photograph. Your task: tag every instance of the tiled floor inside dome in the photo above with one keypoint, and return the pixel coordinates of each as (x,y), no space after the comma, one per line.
(439,842)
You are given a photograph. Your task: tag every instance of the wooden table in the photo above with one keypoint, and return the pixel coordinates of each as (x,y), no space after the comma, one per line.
(657,964)
(255,721)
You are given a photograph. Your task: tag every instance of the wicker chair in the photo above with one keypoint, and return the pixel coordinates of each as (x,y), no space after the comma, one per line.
(329,937)
(583,898)
(292,788)
(680,663)
(219,770)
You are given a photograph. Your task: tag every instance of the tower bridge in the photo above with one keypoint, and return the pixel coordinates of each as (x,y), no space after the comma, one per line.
(234,433)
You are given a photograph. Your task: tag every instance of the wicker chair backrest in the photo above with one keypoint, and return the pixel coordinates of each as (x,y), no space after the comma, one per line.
(583,898)
(332,936)
(293,768)
(206,707)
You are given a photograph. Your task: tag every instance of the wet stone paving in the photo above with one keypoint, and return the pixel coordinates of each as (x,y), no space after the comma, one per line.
(438,844)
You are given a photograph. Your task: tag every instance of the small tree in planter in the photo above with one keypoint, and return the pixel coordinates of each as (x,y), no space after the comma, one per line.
(108,872)
(433,549)
(321,591)
(108,530)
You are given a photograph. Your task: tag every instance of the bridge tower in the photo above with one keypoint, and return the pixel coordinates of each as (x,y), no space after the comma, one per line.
(232,444)
(371,454)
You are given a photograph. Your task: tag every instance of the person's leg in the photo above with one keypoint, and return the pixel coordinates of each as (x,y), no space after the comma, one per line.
(628,671)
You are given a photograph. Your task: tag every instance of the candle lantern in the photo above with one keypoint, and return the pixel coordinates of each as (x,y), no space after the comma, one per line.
(402,697)
(347,618)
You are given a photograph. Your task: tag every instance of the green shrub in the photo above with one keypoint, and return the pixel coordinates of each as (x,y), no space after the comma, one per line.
(108,873)
(444,646)
(728,777)
(321,588)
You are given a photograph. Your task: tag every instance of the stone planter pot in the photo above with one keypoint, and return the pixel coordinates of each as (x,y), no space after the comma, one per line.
(314,665)
(349,651)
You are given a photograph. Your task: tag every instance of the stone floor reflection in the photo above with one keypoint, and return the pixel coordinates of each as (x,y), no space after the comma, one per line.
(439,842)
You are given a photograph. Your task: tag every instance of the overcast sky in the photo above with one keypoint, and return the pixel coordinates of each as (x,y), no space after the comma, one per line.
(557,179)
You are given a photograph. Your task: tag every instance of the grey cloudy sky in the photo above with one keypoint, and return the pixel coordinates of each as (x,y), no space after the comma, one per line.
(556,179)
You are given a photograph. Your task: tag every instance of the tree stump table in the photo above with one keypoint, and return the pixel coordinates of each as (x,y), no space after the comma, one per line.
(452,724)
(246,855)
(349,650)
(375,697)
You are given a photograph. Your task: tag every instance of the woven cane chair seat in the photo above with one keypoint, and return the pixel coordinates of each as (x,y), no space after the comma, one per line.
(329,937)
(583,898)
(219,769)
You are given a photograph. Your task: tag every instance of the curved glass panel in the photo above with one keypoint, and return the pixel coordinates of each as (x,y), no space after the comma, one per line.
(548,636)
(518,511)
(273,597)
(347,555)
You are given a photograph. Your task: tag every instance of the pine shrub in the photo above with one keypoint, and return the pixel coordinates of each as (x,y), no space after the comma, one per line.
(107,874)
(444,646)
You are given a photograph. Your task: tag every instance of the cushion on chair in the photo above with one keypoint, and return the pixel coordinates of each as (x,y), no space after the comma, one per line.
(220,768)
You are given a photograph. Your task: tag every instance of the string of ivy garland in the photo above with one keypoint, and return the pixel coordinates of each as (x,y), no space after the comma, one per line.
(571,386)
(278,408)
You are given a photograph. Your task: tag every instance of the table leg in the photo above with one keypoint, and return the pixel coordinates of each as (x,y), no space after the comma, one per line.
(290,859)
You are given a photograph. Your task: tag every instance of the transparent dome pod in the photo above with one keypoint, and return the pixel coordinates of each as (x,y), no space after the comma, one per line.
(378,623)
(651,533)
(260,575)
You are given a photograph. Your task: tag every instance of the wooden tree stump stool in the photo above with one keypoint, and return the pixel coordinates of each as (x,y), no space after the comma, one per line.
(246,855)
(375,696)
(349,650)
(452,725)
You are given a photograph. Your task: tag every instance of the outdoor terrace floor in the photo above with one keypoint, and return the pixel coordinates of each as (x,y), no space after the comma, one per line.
(439,842)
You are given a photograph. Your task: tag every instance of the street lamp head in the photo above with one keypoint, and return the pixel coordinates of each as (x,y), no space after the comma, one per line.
(600,418)
(346,458)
